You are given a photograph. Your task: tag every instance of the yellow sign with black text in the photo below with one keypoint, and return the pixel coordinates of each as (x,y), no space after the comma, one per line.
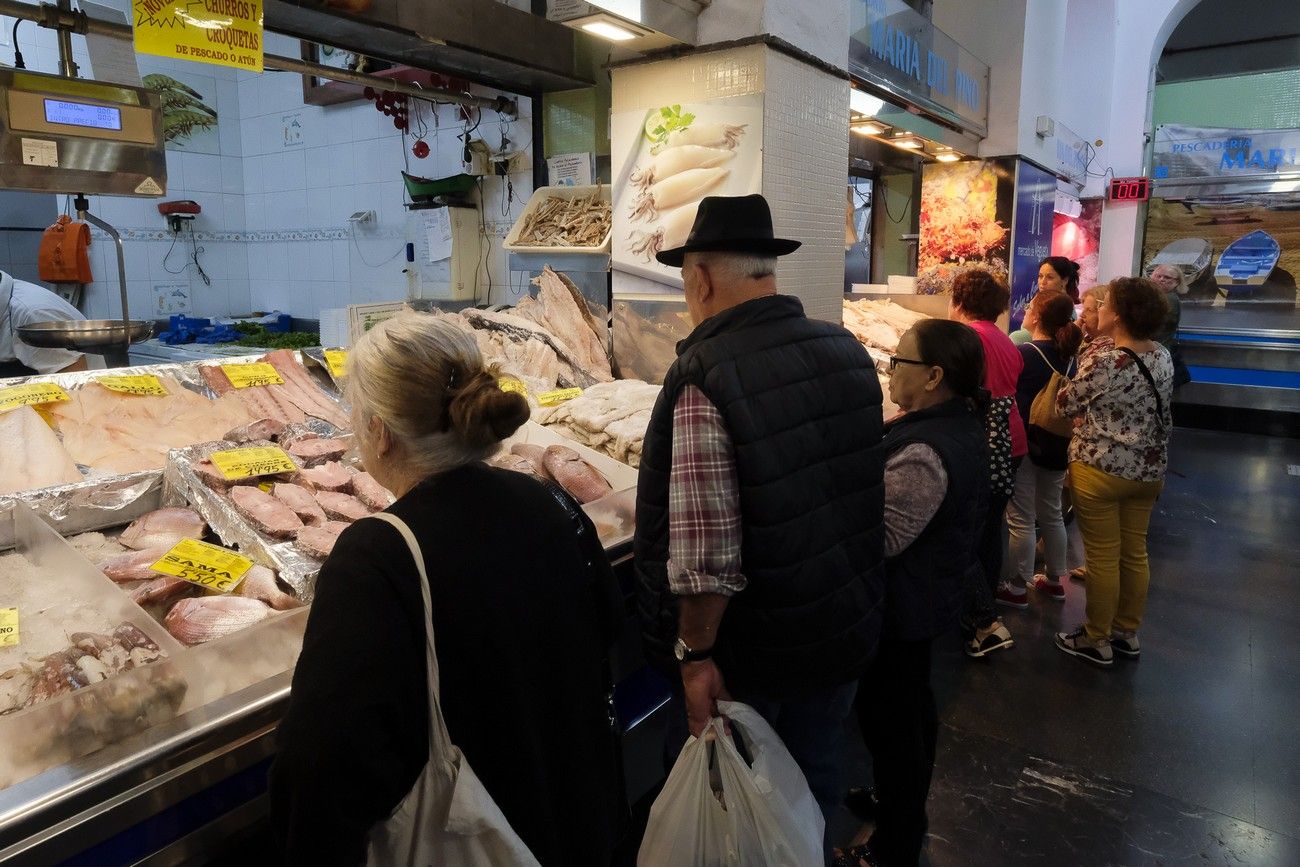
(144,384)
(253,462)
(209,566)
(222,32)
(8,627)
(250,375)
(337,359)
(31,394)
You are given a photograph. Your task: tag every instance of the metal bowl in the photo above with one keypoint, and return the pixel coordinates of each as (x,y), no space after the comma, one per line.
(86,335)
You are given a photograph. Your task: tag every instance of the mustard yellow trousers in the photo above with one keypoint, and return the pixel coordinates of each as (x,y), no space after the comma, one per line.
(1113,515)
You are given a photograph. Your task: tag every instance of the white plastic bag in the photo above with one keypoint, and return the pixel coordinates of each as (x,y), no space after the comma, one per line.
(770,817)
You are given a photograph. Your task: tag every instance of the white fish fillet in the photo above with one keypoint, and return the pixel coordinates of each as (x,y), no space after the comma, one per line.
(31,456)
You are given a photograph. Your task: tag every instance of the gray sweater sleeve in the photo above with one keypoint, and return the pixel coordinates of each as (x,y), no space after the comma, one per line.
(915,485)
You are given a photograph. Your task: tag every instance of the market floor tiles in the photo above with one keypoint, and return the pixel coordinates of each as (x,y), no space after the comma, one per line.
(1186,757)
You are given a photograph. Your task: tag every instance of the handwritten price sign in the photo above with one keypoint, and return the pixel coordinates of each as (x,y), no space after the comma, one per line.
(253,462)
(252,375)
(206,565)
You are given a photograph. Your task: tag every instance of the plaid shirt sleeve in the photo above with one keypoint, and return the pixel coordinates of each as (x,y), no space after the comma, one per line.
(703,502)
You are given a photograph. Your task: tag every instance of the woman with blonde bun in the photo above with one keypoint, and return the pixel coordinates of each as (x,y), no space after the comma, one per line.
(521,620)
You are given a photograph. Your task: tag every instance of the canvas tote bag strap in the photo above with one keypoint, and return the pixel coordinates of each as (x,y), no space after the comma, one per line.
(439,738)
(1043,355)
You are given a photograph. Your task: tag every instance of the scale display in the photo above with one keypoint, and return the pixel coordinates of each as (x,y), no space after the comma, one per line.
(83,115)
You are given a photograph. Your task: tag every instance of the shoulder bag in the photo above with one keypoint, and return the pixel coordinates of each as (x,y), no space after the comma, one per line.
(448,817)
(1043,412)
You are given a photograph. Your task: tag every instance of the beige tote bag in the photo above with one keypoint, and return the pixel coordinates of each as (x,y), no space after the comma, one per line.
(448,817)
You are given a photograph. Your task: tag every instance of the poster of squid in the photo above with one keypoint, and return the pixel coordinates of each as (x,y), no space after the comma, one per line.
(665,160)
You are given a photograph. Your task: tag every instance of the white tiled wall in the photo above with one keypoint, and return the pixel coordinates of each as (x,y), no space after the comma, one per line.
(274,233)
(805,167)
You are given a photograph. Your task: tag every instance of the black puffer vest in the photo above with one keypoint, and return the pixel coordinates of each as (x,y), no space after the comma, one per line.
(802,404)
(924,583)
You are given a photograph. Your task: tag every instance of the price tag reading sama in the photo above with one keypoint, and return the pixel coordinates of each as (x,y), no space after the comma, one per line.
(142,385)
(32,394)
(8,627)
(253,462)
(206,565)
(249,375)
(337,359)
(509,383)
(554,398)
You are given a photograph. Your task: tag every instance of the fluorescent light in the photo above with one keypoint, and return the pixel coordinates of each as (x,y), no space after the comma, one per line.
(867,127)
(865,103)
(605,30)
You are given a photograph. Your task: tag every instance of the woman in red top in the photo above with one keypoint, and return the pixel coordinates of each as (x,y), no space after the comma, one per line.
(978,299)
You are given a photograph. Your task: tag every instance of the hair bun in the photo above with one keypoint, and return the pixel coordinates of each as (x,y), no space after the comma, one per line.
(482,414)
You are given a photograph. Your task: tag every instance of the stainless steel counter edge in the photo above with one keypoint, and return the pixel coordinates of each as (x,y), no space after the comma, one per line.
(41,807)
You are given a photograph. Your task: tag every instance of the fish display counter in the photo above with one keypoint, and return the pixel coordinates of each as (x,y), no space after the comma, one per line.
(138,711)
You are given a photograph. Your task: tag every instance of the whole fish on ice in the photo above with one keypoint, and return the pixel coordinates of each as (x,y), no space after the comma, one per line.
(203,618)
(163,527)
(133,565)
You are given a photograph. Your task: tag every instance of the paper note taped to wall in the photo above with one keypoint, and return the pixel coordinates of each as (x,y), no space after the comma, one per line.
(437,232)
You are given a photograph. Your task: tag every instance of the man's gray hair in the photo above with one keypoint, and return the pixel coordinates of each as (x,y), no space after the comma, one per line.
(738,266)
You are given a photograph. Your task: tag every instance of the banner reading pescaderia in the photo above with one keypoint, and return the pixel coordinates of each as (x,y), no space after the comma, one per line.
(224,32)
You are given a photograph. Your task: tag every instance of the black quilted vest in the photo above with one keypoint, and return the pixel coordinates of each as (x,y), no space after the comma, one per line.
(802,404)
(925,583)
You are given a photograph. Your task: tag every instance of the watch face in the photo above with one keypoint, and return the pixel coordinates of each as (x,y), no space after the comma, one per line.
(679,650)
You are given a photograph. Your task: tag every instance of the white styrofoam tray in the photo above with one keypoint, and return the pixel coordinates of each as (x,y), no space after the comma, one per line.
(540,195)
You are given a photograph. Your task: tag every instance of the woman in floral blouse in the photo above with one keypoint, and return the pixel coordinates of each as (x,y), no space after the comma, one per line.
(1120,399)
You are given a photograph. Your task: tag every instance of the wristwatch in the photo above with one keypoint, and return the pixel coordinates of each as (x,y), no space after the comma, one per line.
(685,654)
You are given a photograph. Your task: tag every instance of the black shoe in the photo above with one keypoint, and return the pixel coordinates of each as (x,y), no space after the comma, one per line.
(862,802)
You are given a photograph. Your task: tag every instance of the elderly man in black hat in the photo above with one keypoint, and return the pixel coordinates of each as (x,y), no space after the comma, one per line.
(759,538)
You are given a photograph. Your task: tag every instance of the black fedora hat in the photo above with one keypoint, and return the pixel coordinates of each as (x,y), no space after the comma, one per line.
(740,224)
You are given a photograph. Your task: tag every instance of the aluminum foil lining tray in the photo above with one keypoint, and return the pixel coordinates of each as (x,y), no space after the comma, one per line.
(99,501)
(181,486)
(314,359)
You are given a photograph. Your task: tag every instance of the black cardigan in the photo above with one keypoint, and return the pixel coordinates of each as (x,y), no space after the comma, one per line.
(521,637)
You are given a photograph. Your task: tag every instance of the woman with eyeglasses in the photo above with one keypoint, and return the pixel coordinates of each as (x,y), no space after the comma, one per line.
(978,299)
(936,487)
(1118,457)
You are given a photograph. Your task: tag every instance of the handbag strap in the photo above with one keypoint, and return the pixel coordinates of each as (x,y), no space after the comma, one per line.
(439,738)
(1043,356)
(1151,381)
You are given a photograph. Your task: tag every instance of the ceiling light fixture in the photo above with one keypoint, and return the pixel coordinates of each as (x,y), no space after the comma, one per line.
(867,127)
(947,156)
(907,142)
(609,27)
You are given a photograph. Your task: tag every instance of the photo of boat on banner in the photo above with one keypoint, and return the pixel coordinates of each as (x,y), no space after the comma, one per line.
(1243,250)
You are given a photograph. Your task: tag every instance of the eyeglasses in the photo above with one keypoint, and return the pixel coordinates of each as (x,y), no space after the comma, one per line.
(894,361)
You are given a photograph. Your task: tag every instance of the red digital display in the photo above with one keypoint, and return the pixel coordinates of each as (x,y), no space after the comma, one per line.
(1129,189)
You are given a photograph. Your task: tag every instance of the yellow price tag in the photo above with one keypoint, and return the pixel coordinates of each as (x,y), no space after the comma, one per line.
(253,461)
(337,359)
(145,384)
(509,383)
(209,566)
(249,375)
(31,394)
(551,398)
(8,627)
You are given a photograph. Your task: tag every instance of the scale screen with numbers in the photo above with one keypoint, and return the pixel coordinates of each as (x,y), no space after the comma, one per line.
(73,135)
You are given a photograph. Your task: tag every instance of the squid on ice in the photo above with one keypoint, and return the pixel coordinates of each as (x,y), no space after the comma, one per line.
(708,135)
(672,232)
(687,186)
(676,160)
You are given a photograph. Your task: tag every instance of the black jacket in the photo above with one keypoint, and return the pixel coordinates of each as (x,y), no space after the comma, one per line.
(802,404)
(924,582)
(521,637)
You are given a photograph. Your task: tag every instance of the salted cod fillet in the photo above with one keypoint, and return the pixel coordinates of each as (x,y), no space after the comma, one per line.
(31,456)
